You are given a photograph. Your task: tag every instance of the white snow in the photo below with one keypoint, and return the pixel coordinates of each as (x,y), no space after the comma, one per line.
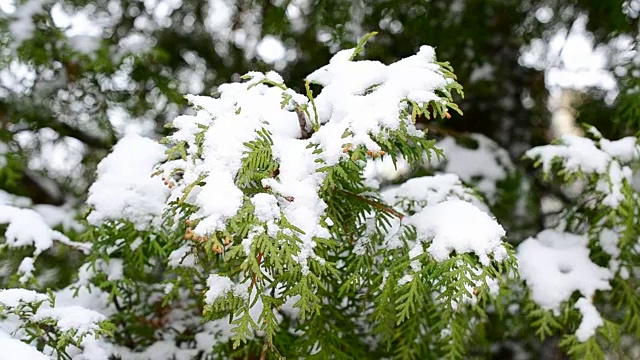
(63,216)
(610,160)
(489,162)
(612,185)
(456,225)
(591,319)
(71,317)
(85,44)
(28,228)
(13,349)
(577,153)
(265,207)
(26,269)
(218,286)
(231,120)
(609,242)
(351,116)
(271,49)
(555,264)
(299,181)
(582,154)
(16,297)
(124,188)
(625,149)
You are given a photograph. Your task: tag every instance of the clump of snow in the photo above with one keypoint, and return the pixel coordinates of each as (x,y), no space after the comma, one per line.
(26,269)
(15,349)
(608,240)
(135,43)
(28,228)
(87,296)
(271,49)
(63,216)
(625,149)
(607,159)
(125,189)
(231,121)
(299,180)
(613,183)
(218,286)
(16,297)
(429,190)
(71,318)
(84,44)
(384,169)
(361,99)
(582,154)
(456,225)
(591,319)
(53,216)
(555,264)
(219,199)
(577,153)
(265,207)
(114,269)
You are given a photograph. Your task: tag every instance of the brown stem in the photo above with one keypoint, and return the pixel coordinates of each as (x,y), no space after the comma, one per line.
(265,348)
(302,121)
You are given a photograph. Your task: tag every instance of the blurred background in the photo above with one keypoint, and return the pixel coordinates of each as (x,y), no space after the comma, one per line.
(76,75)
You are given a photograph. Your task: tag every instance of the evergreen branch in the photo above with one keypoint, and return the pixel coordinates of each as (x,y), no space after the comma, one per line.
(374,203)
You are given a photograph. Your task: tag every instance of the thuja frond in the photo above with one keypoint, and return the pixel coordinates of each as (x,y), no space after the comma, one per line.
(589,350)
(258,162)
(360,47)
(375,203)
(543,321)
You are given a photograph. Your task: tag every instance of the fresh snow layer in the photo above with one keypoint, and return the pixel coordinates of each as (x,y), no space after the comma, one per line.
(360,100)
(363,98)
(125,189)
(456,225)
(577,153)
(555,264)
(218,286)
(265,207)
(428,190)
(16,297)
(28,228)
(71,317)
(13,349)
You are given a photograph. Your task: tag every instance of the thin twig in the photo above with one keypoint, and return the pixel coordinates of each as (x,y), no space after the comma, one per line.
(376,204)
(265,348)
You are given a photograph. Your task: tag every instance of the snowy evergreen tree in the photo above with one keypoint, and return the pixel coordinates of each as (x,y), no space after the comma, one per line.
(340,217)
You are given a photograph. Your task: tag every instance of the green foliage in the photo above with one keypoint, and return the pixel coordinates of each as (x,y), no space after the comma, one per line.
(359,298)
